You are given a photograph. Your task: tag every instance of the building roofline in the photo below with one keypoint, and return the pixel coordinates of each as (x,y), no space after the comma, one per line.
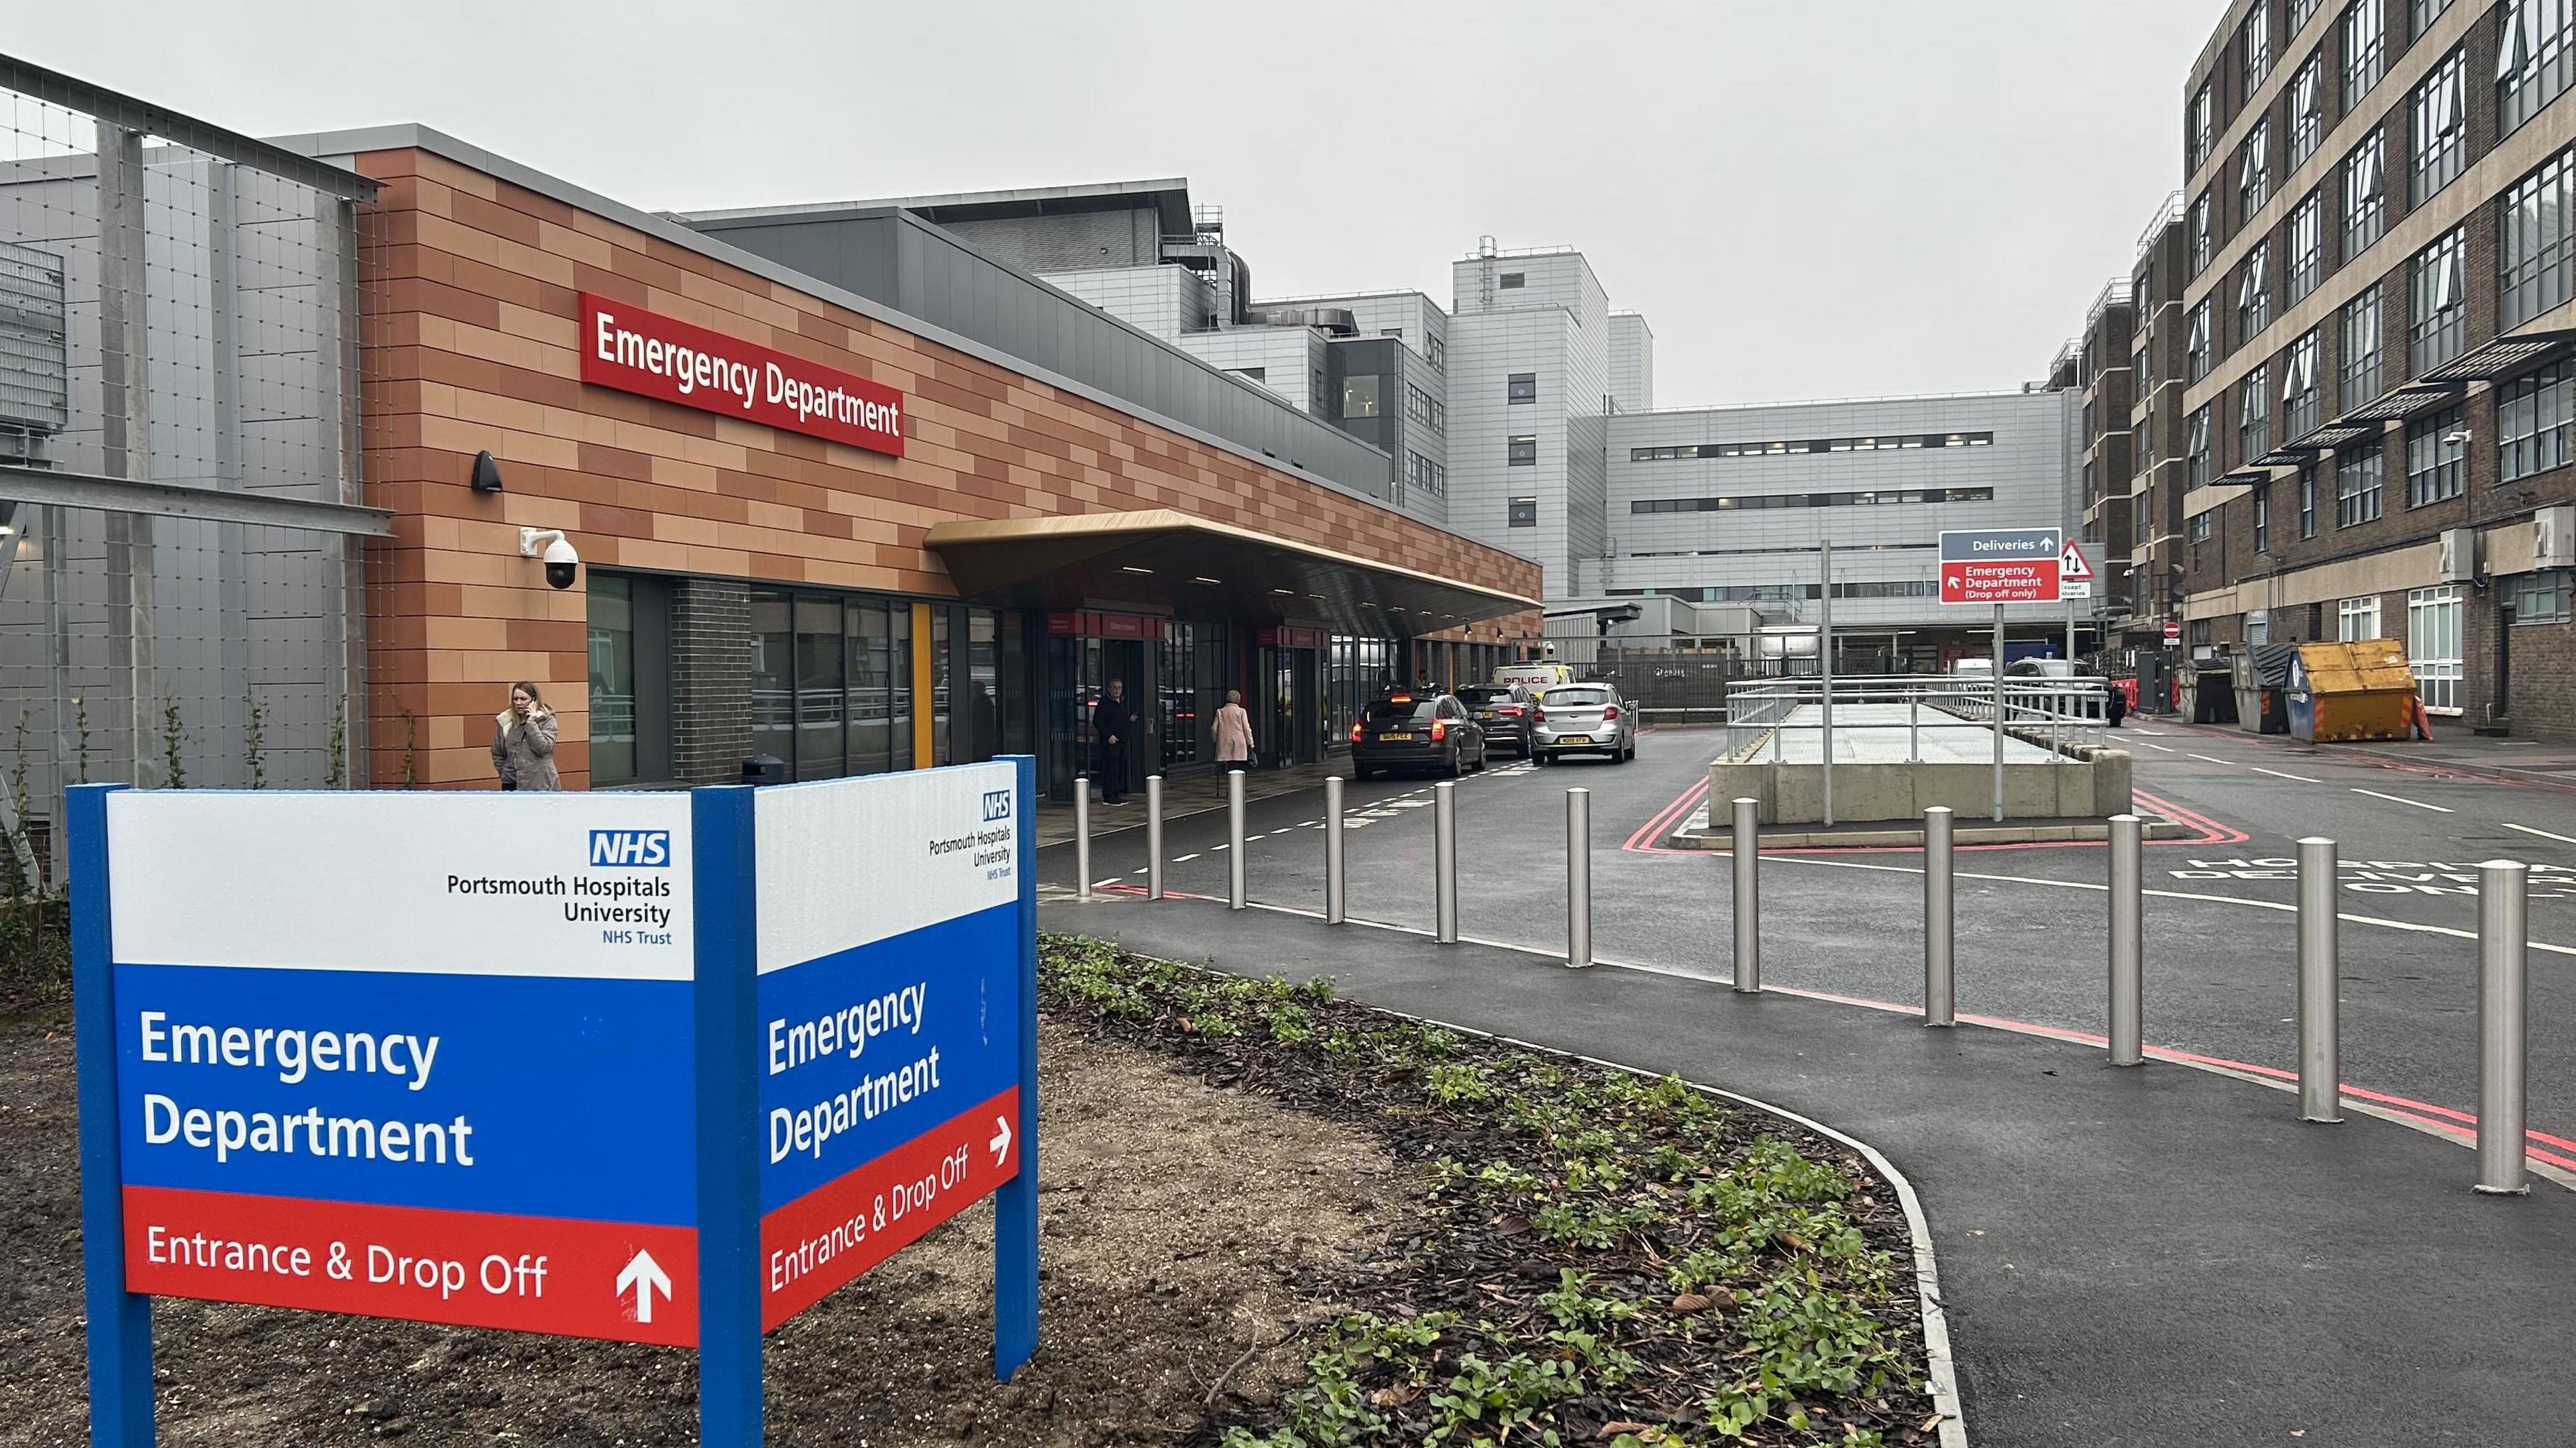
(1015,200)
(1997,394)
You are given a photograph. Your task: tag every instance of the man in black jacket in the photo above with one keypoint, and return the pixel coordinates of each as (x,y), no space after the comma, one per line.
(1109,726)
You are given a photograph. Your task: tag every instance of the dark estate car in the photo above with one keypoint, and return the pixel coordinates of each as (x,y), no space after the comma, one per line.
(1504,712)
(1416,731)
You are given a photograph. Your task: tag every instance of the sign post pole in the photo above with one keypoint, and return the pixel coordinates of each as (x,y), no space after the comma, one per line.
(1015,1203)
(1825,670)
(120,1322)
(1999,713)
(727,1011)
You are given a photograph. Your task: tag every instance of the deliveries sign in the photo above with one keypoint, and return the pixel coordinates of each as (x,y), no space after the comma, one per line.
(637,351)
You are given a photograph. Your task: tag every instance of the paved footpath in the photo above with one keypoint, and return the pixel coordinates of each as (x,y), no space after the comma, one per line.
(2156,1255)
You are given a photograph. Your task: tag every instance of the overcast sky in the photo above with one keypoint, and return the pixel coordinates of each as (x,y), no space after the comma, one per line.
(1807,198)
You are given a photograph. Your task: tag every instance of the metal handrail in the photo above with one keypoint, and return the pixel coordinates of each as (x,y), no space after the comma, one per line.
(2062,714)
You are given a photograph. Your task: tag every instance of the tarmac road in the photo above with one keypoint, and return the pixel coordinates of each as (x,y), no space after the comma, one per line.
(2220,936)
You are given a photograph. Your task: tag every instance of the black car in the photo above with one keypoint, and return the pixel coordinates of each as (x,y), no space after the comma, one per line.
(1505,713)
(1426,731)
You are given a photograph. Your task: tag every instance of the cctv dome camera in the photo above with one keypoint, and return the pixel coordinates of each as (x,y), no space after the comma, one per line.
(563,565)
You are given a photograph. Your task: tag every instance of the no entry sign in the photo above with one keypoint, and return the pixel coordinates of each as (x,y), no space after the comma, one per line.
(661,1068)
(2001,565)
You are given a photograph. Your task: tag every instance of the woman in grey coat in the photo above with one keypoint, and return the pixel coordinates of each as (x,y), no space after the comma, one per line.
(523,741)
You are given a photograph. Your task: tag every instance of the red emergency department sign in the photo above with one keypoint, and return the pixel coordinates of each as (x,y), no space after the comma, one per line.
(2001,565)
(633,350)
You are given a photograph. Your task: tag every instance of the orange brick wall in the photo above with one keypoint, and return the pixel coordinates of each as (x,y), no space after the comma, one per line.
(471,344)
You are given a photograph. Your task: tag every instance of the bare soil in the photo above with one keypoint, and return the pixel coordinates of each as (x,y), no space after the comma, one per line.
(1189,1232)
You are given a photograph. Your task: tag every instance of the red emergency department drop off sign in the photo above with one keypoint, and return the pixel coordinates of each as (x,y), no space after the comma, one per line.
(633,350)
(2001,565)
(657,1068)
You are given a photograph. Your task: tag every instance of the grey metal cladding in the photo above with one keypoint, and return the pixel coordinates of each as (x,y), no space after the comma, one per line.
(902,262)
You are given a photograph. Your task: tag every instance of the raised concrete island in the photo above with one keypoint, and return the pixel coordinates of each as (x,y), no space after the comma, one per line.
(1892,763)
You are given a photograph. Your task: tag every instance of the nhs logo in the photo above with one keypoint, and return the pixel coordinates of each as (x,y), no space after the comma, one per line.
(631,848)
(997,805)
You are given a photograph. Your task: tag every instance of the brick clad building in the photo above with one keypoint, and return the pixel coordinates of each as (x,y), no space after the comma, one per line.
(751,589)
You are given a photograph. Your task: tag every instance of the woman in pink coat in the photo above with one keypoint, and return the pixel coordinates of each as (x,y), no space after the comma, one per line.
(1234,731)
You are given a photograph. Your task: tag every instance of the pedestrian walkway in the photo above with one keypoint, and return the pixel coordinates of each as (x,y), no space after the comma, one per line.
(2154,1255)
(1184,794)
(1894,734)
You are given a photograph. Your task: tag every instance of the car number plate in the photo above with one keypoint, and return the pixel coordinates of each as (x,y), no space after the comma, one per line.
(1394,738)
(1574,739)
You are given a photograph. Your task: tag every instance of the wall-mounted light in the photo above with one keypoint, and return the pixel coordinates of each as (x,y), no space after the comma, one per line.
(487,474)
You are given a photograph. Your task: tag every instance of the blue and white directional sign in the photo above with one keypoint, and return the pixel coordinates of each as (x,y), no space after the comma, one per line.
(889,948)
(409,1056)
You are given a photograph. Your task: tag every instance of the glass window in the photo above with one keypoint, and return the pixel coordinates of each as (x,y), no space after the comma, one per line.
(983,686)
(2307,255)
(612,679)
(873,741)
(2435,469)
(942,706)
(1423,408)
(2532,422)
(2197,448)
(2534,57)
(1439,354)
(1521,387)
(2357,618)
(2299,389)
(1512,281)
(2254,415)
(2438,311)
(2306,118)
(2441,125)
(819,702)
(2537,264)
(2196,349)
(2364,218)
(899,646)
(2201,240)
(2359,380)
(2254,293)
(2357,491)
(2301,12)
(1524,513)
(2262,500)
(1178,694)
(2433,646)
(2254,172)
(2204,125)
(2200,528)
(2308,501)
(2543,597)
(2364,50)
(773,676)
(1521,451)
(2422,13)
(1360,396)
(2258,44)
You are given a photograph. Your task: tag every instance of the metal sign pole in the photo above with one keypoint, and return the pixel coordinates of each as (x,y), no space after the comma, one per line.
(1998,684)
(1825,670)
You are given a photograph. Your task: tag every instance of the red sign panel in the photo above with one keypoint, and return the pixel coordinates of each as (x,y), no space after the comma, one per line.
(2173,633)
(1998,580)
(637,351)
(1088,624)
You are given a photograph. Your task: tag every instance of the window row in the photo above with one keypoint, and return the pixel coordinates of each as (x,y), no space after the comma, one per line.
(1907,442)
(1738,501)
(1426,475)
(1425,409)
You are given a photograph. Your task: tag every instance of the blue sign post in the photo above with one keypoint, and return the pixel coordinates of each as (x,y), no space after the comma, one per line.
(653,1068)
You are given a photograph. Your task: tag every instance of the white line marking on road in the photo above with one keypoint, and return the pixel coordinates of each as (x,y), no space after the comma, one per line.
(2157,747)
(2301,778)
(1183,859)
(2214,759)
(2394,799)
(2544,834)
(2155,733)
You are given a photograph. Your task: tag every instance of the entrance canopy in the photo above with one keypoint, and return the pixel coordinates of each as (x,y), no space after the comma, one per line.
(1202,569)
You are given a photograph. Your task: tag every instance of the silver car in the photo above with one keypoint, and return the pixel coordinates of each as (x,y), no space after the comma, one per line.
(1584,719)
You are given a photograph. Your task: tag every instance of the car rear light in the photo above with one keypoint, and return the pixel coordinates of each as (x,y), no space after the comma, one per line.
(1611,712)
(1355,734)
(1512,709)
(1439,730)
(1538,716)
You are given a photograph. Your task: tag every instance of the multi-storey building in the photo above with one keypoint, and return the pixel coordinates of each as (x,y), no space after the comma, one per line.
(2379,234)
(2158,424)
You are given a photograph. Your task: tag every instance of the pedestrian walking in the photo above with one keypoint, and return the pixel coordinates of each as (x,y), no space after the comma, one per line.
(1234,731)
(2117,705)
(523,741)
(1110,724)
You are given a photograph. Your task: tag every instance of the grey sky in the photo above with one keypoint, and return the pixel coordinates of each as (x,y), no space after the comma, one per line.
(1807,198)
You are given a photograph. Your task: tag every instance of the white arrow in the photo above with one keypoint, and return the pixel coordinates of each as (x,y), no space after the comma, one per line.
(1001,1142)
(643,1274)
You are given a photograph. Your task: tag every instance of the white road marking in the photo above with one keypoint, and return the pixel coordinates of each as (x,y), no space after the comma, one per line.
(2153,733)
(2214,759)
(2301,778)
(2157,747)
(2544,834)
(1183,859)
(2394,799)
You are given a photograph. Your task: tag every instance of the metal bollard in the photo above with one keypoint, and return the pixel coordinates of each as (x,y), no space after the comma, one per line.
(1444,851)
(2128,940)
(1578,877)
(2504,1032)
(1153,837)
(1747,845)
(1333,898)
(1082,834)
(1234,839)
(2320,985)
(1940,934)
